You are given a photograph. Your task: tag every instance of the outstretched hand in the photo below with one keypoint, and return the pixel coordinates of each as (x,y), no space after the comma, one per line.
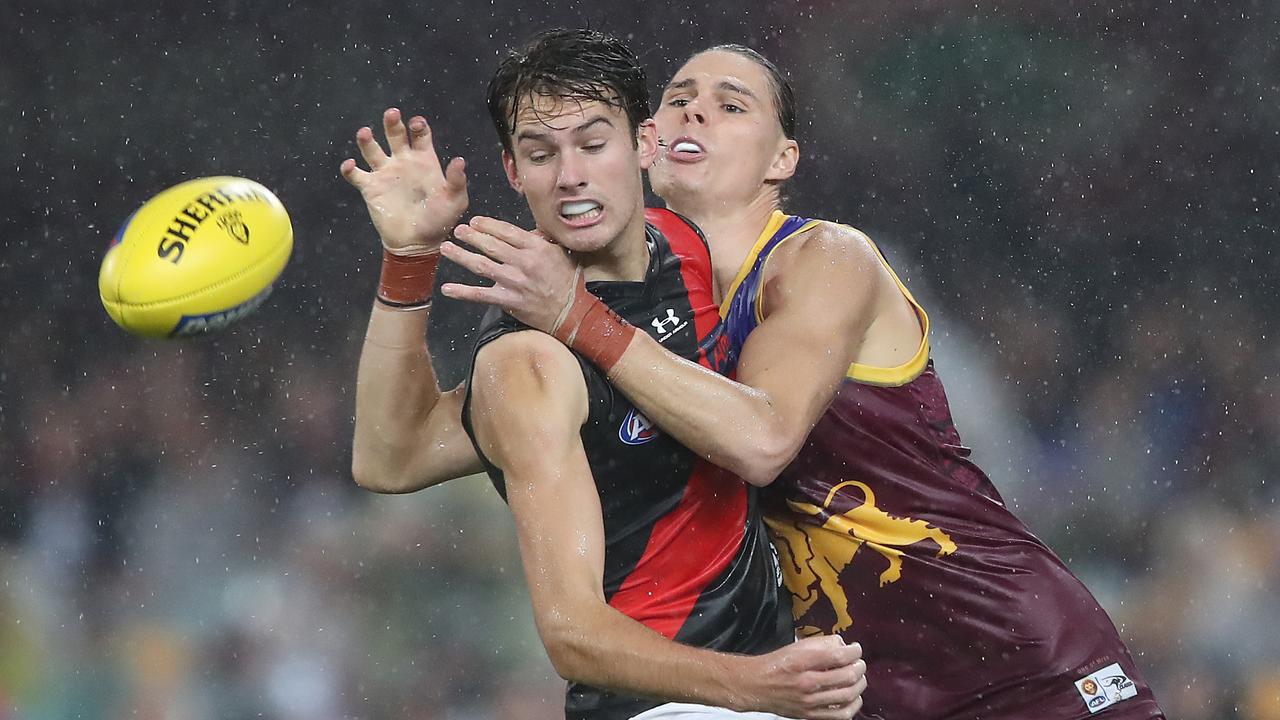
(534,279)
(412,200)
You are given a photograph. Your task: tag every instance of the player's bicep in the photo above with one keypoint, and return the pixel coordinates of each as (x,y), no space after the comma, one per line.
(817,308)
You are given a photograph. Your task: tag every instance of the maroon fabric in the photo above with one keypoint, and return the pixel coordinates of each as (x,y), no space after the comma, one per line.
(891,537)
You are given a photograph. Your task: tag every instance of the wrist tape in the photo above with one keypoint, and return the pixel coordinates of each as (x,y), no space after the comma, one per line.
(407,280)
(592,328)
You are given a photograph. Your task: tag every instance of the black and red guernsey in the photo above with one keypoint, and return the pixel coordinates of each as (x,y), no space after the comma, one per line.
(687,553)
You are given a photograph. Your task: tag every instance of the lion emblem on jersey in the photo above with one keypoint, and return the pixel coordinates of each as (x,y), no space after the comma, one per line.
(813,556)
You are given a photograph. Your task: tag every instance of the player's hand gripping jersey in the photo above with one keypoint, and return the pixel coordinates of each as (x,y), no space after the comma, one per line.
(891,537)
(686,552)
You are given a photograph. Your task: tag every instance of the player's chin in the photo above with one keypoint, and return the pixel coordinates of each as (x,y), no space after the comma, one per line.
(676,185)
(661,179)
(585,240)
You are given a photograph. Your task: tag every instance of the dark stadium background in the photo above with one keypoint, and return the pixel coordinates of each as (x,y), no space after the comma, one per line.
(1083,194)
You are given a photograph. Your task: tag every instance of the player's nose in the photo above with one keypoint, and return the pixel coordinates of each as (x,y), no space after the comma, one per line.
(693,113)
(573,173)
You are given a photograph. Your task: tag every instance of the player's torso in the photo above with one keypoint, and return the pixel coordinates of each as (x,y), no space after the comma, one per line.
(891,537)
(687,553)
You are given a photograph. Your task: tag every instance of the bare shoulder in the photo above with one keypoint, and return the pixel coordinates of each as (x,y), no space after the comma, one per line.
(522,359)
(831,260)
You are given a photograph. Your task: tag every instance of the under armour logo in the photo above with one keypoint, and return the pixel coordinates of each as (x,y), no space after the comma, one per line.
(660,324)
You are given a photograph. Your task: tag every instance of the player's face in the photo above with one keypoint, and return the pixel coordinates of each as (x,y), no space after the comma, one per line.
(720,137)
(580,169)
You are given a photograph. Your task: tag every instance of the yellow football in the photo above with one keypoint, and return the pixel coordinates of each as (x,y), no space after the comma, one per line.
(195,258)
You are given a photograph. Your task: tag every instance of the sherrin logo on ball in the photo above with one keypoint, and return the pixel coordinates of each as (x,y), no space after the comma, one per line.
(195,258)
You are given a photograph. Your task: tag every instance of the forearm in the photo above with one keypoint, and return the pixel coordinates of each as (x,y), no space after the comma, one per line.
(396,390)
(731,424)
(600,646)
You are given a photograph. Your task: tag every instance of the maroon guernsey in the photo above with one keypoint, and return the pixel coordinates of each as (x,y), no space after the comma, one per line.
(891,537)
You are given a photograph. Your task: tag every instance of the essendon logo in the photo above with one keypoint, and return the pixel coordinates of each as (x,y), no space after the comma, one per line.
(636,429)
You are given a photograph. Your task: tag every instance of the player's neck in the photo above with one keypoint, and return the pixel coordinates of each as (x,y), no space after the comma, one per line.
(731,229)
(626,257)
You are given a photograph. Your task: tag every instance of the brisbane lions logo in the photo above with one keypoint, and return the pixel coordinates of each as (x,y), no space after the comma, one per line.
(813,556)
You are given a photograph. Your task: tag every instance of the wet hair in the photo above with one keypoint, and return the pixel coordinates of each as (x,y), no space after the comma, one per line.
(568,64)
(784,99)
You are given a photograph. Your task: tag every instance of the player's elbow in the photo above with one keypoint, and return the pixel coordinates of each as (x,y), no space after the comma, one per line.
(368,476)
(374,475)
(575,635)
(569,649)
(762,462)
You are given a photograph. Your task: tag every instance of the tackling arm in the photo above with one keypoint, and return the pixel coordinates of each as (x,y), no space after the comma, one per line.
(818,305)
(818,302)
(529,402)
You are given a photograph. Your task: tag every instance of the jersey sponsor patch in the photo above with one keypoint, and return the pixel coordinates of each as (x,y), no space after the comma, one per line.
(636,429)
(667,326)
(1105,688)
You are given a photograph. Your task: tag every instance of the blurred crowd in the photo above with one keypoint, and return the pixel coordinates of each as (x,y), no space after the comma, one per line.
(1083,197)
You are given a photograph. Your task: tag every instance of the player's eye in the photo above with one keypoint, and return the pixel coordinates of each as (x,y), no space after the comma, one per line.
(732,108)
(538,157)
(594,147)
(678,102)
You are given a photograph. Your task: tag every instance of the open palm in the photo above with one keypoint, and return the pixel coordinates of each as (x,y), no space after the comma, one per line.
(413,202)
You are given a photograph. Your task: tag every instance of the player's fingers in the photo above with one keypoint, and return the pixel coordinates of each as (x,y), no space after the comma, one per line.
(504,231)
(352,173)
(455,175)
(847,654)
(484,242)
(837,654)
(839,697)
(475,262)
(833,699)
(843,711)
(831,711)
(397,134)
(846,676)
(476,294)
(423,140)
(418,129)
(819,652)
(370,150)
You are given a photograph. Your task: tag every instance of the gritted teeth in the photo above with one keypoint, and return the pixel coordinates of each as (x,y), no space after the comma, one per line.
(687,146)
(578,207)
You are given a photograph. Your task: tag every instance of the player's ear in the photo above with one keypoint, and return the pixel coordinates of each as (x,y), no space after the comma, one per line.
(785,162)
(509,165)
(647,142)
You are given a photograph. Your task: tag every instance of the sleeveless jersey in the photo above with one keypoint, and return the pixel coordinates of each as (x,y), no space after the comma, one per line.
(891,537)
(687,553)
